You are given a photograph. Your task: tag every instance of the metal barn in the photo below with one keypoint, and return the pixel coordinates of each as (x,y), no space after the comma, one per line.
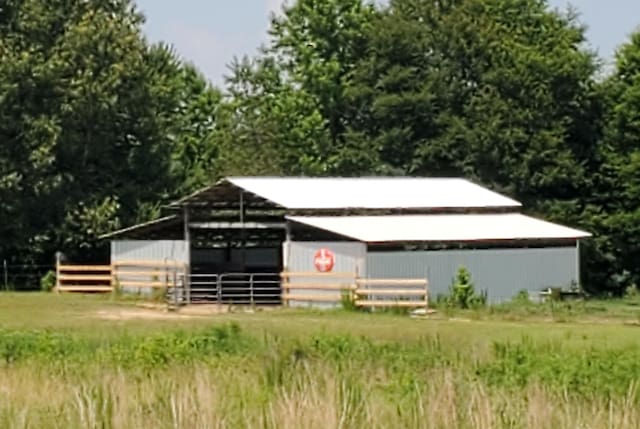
(236,238)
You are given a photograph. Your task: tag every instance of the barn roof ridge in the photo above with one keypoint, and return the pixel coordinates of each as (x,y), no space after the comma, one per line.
(370,192)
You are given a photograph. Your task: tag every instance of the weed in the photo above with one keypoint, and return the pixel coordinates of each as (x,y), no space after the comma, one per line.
(347,301)
(462,293)
(48,281)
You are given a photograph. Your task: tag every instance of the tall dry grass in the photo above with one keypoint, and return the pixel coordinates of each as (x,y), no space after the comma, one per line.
(315,396)
(224,377)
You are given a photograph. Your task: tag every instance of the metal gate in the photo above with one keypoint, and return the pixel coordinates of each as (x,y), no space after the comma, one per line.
(228,288)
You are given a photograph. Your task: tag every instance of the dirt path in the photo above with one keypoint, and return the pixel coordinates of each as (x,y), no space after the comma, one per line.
(159,312)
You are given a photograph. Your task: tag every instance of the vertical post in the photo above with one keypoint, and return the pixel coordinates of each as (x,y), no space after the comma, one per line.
(112,267)
(5,274)
(578,265)
(187,243)
(287,246)
(219,288)
(114,281)
(165,281)
(58,272)
(286,258)
(176,297)
(251,290)
(243,251)
(353,287)
(427,277)
(426,294)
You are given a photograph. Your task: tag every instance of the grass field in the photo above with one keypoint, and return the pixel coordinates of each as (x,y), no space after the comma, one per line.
(90,362)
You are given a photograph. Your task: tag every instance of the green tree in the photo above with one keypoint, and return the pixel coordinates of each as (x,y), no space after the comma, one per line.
(90,116)
(619,196)
(288,104)
(193,132)
(266,126)
(496,91)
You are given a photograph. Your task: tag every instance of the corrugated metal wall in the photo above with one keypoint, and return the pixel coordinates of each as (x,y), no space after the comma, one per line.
(501,272)
(350,257)
(146,250)
(151,250)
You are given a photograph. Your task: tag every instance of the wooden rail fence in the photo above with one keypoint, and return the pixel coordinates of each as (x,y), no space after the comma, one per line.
(315,287)
(392,293)
(297,287)
(147,274)
(139,275)
(332,288)
(83,278)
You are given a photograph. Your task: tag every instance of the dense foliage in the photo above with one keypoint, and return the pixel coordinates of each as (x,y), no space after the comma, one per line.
(98,127)
(95,124)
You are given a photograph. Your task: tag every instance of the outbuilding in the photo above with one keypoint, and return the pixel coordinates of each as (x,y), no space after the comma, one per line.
(235,238)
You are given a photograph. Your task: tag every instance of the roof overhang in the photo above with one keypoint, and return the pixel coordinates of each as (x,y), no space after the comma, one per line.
(441,228)
(146,227)
(224,193)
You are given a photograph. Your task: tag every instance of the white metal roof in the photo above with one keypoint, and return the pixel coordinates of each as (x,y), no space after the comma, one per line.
(441,227)
(372,192)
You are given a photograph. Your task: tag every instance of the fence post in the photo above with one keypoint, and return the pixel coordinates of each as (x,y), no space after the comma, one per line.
(58,272)
(5,274)
(187,283)
(174,282)
(426,294)
(284,288)
(114,279)
(251,290)
(165,283)
(353,288)
(219,288)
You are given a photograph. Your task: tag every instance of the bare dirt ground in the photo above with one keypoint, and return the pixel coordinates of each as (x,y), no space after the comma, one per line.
(138,314)
(160,312)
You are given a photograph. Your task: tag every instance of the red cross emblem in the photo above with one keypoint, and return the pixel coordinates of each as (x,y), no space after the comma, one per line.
(324,260)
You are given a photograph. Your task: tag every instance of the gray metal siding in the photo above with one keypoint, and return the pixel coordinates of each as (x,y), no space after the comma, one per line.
(149,250)
(499,272)
(350,257)
(146,250)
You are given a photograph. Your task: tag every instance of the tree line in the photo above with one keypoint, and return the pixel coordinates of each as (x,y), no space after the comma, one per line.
(99,127)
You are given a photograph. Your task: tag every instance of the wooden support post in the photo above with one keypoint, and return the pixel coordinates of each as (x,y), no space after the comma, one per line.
(165,278)
(187,241)
(578,280)
(58,272)
(114,279)
(426,294)
(284,289)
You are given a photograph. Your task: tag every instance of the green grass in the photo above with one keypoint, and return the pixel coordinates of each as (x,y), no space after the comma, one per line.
(62,365)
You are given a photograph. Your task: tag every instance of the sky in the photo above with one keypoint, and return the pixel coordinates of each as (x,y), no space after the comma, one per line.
(209,33)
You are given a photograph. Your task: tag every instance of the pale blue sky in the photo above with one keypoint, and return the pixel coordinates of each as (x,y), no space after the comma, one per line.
(209,33)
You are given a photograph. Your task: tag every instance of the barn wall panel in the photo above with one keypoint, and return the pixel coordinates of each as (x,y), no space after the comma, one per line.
(152,250)
(350,257)
(499,272)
